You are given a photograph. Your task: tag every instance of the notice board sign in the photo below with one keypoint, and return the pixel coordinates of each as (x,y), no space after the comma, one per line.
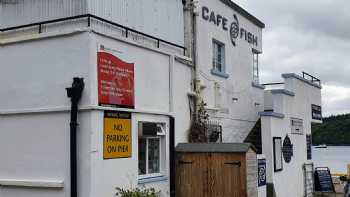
(117,135)
(261,172)
(316,112)
(323,180)
(115,81)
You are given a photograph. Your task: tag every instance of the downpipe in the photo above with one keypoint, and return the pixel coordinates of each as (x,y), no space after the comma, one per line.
(74,93)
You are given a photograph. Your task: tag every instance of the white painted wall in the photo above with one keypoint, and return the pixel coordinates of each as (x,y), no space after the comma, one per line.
(289,181)
(35,145)
(238,117)
(20,12)
(109,174)
(159,18)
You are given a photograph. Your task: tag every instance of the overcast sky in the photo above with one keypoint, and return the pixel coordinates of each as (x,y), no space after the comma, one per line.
(311,36)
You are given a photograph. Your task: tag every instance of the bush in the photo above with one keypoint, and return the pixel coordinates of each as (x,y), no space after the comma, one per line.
(137,192)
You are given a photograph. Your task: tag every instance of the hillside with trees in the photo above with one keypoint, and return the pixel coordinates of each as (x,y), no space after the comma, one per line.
(335,130)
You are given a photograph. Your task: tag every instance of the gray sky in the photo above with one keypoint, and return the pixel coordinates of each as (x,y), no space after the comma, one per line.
(311,36)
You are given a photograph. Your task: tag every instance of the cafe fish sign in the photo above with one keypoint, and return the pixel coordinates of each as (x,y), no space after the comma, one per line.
(232,26)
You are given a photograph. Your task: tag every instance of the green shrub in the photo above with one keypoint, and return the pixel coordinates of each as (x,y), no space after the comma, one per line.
(137,192)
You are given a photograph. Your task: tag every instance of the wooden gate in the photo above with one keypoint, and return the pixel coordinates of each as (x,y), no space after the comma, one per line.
(209,174)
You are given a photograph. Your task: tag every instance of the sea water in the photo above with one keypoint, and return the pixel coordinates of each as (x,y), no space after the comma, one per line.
(334,157)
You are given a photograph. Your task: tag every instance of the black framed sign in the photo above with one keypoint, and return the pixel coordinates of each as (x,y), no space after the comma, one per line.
(323,180)
(287,149)
(316,112)
(261,172)
(277,154)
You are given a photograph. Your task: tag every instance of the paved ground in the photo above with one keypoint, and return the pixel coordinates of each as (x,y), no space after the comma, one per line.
(329,195)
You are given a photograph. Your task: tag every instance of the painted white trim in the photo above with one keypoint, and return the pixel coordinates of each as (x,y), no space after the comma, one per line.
(32,183)
(152,179)
(45,35)
(83,108)
(41,36)
(184,60)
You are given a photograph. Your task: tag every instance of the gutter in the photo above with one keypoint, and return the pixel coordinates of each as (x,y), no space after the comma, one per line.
(74,93)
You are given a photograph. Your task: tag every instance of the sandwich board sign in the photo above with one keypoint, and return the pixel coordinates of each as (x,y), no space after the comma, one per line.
(323,180)
(117,135)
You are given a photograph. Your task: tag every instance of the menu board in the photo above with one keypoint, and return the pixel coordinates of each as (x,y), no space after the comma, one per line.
(323,180)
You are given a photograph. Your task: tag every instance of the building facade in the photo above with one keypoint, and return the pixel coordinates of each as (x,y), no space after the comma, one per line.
(35,110)
(146,66)
(228,41)
(289,110)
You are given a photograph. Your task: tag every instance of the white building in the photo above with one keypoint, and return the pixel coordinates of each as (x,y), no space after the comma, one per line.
(228,43)
(288,113)
(143,43)
(35,110)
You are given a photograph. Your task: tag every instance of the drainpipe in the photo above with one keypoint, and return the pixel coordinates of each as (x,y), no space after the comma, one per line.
(172,157)
(74,93)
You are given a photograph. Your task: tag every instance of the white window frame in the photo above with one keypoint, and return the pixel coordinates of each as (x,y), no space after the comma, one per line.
(162,152)
(160,158)
(215,60)
(255,66)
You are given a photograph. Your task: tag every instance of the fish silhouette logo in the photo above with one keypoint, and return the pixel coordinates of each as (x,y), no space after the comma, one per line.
(234,30)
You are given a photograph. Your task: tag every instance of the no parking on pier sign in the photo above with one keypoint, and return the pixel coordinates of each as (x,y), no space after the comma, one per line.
(117,135)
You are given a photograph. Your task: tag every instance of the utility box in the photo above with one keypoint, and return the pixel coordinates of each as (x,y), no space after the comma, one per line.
(207,170)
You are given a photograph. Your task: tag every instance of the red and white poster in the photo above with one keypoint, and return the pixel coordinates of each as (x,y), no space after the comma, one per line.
(115,81)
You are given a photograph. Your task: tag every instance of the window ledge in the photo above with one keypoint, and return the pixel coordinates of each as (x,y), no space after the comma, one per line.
(256,85)
(272,114)
(152,179)
(218,73)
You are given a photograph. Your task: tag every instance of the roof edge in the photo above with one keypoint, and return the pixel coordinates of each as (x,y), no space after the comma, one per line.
(244,13)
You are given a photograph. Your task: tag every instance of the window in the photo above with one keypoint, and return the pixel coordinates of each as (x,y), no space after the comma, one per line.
(219,59)
(277,154)
(308,147)
(255,67)
(151,139)
(297,126)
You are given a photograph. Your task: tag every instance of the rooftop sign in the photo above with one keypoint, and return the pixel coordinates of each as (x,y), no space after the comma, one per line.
(231,26)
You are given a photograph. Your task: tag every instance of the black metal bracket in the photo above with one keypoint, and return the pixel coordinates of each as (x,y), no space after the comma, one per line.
(185,162)
(234,163)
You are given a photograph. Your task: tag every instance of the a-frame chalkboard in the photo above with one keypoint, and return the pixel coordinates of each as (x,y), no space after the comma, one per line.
(323,180)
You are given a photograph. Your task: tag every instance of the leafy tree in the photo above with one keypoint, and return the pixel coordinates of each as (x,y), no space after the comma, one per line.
(335,130)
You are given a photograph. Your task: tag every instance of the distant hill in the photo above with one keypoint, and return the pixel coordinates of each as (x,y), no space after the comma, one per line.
(335,130)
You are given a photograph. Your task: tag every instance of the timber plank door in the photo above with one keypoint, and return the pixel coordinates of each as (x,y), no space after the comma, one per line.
(227,175)
(192,175)
(210,175)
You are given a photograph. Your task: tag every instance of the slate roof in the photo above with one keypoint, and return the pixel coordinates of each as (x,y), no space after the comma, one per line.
(214,147)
